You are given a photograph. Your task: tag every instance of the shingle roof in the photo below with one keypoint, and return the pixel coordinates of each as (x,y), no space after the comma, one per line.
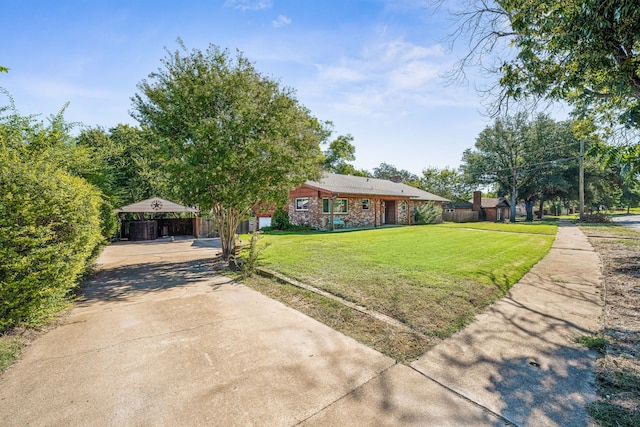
(461,205)
(347,184)
(491,202)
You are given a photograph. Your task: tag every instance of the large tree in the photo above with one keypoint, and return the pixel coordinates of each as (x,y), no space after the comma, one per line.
(499,157)
(387,171)
(447,182)
(552,152)
(337,157)
(584,52)
(229,136)
(526,159)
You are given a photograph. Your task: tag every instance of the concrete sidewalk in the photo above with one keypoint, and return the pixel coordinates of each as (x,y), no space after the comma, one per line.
(519,359)
(160,339)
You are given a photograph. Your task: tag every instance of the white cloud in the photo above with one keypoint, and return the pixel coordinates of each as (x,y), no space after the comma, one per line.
(281,21)
(413,75)
(341,74)
(387,77)
(249,4)
(399,51)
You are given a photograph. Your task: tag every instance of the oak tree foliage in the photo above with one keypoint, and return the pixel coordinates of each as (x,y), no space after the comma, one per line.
(584,52)
(447,182)
(528,160)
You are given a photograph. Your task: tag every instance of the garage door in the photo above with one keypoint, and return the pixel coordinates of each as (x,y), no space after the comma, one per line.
(264,222)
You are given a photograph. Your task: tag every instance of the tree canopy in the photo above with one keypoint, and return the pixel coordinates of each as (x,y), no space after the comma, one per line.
(447,182)
(229,137)
(585,52)
(337,157)
(526,159)
(387,171)
(126,168)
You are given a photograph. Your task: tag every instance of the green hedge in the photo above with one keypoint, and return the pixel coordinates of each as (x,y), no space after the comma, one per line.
(49,228)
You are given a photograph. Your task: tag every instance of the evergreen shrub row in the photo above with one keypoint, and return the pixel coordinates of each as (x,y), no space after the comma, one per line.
(49,230)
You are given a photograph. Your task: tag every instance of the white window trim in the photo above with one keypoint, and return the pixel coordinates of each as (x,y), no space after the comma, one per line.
(334,203)
(301,209)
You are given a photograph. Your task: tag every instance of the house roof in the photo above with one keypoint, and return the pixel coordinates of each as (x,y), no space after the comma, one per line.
(460,205)
(492,202)
(348,184)
(156,204)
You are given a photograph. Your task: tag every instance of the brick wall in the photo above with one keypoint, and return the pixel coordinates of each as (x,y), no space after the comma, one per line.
(356,216)
(313,217)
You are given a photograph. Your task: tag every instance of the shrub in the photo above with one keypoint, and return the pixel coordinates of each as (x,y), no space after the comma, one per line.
(280,219)
(49,228)
(597,218)
(249,262)
(426,214)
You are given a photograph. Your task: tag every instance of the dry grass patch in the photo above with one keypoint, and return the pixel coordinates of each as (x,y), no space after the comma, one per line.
(387,339)
(618,371)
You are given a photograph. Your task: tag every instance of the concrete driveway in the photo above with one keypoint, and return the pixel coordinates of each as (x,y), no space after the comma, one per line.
(158,338)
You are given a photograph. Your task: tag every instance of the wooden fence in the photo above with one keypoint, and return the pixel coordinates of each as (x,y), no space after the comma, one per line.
(462,216)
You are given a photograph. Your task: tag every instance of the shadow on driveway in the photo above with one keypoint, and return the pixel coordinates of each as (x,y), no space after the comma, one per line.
(122,283)
(128,269)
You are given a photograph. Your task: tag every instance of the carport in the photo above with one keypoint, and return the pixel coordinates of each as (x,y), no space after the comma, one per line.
(153,218)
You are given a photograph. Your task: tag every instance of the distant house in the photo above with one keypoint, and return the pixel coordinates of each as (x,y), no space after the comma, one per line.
(494,209)
(345,201)
(478,209)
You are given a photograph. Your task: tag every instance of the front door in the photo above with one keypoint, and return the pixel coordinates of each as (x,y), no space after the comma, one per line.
(390,212)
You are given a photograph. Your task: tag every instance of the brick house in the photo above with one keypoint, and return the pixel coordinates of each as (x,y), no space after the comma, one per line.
(345,201)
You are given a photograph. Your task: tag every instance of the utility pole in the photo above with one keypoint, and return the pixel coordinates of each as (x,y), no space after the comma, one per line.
(581,180)
(513,196)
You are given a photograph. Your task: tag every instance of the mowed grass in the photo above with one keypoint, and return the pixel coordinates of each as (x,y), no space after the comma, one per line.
(432,278)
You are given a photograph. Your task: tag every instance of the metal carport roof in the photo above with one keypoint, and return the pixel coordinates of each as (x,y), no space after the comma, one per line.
(156,205)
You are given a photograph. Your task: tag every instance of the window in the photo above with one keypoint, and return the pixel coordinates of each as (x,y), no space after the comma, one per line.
(339,206)
(302,204)
(365,204)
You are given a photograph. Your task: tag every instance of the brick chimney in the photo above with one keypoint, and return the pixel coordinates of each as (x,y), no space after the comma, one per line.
(395,178)
(477,201)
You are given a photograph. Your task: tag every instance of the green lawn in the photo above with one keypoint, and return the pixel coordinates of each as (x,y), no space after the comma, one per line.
(433,278)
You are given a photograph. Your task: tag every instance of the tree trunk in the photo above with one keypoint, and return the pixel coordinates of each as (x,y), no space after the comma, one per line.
(513,204)
(227,220)
(529,207)
(541,211)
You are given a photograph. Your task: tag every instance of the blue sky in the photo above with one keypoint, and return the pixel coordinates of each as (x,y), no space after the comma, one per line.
(372,67)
